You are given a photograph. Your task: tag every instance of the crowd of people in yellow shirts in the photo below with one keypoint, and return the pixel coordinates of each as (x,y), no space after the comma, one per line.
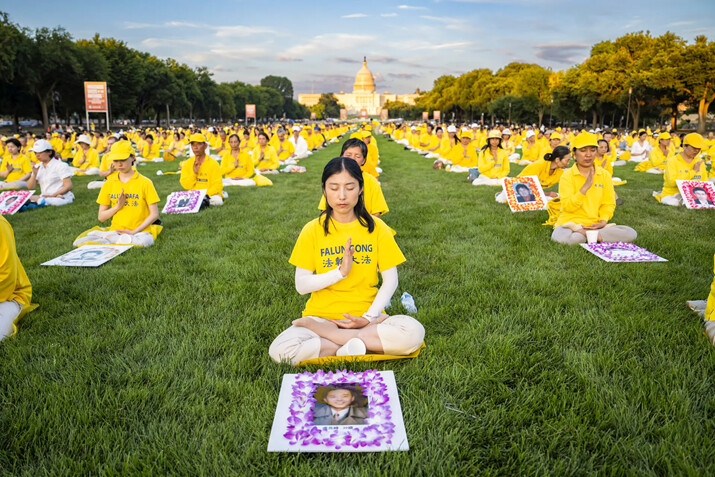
(214,157)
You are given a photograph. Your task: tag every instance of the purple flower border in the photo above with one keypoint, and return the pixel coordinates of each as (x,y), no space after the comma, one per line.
(605,250)
(176,196)
(378,431)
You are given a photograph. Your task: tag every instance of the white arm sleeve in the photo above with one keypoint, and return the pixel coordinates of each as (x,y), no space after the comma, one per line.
(387,289)
(307,282)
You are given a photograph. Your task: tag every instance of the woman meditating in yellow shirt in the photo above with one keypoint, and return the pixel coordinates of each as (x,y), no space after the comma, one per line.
(176,149)
(264,156)
(15,168)
(464,155)
(236,164)
(493,161)
(658,158)
(587,199)
(683,166)
(130,200)
(375,204)
(86,159)
(338,257)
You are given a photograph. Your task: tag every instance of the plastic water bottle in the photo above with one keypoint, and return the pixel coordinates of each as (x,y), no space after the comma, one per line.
(408,302)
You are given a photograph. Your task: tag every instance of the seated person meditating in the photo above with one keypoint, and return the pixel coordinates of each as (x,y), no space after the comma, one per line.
(15,168)
(53,175)
(202,171)
(236,164)
(374,199)
(264,155)
(493,161)
(130,200)
(15,288)
(86,159)
(338,257)
(685,166)
(587,199)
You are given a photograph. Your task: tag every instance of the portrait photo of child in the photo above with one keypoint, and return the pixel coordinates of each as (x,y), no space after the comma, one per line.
(340,406)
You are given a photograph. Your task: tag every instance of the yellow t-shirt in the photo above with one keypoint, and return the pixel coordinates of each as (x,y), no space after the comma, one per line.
(531,152)
(139,192)
(374,199)
(14,284)
(319,253)
(464,157)
(150,152)
(270,158)
(21,164)
(541,169)
(244,169)
(209,176)
(678,169)
(598,203)
(284,149)
(92,159)
(494,168)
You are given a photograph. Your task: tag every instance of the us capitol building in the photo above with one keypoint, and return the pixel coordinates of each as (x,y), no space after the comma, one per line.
(363,95)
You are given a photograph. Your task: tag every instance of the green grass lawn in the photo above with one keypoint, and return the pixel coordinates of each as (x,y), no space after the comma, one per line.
(157,363)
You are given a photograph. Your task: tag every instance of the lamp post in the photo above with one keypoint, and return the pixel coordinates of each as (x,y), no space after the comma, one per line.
(220,113)
(628,114)
(509,121)
(551,113)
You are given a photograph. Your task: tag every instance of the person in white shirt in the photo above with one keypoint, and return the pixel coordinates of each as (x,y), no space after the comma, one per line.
(53,175)
(300,144)
(640,150)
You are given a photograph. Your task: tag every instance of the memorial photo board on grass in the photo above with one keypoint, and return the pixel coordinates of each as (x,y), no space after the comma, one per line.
(697,194)
(88,256)
(184,202)
(524,193)
(12,200)
(621,252)
(338,411)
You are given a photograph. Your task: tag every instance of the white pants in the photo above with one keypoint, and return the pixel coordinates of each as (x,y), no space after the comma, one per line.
(400,335)
(302,156)
(9,310)
(501,197)
(238,182)
(484,180)
(13,185)
(619,162)
(57,201)
(514,158)
(675,199)
(95,184)
(432,155)
(616,233)
(90,171)
(654,170)
(143,239)
(216,200)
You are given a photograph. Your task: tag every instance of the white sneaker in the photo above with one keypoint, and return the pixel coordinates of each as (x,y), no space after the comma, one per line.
(355,347)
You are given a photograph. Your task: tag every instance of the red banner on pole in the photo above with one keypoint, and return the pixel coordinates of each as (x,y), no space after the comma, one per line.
(425,115)
(95,96)
(343,114)
(363,113)
(436,115)
(251,111)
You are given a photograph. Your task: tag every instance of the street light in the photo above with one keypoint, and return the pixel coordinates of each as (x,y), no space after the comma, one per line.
(509,114)
(628,114)
(220,114)
(551,113)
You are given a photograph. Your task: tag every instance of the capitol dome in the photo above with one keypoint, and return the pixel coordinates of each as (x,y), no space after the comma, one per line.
(364,82)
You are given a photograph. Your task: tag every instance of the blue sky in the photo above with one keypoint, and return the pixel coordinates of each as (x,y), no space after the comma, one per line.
(320,45)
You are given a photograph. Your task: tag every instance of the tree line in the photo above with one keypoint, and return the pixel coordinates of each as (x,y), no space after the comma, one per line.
(649,79)
(42,74)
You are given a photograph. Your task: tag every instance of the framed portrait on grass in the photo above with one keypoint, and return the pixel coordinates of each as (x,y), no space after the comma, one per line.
(524,193)
(621,252)
(184,202)
(88,256)
(12,200)
(697,194)
(338,411)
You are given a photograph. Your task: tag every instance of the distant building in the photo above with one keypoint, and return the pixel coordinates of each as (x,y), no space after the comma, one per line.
(363,95)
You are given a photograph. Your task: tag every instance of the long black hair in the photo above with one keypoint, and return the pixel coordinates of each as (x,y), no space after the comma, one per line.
(336,166)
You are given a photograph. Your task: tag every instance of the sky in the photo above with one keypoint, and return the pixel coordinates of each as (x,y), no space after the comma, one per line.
(319,46)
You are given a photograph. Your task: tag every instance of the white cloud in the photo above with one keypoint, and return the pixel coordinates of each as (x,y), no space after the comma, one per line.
(329,42)
(240,31)
(354,15)
(444,46)
(387,15)
(410,7)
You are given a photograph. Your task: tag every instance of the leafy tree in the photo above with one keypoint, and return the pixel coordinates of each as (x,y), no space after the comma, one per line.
(697,67)
(331,107)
